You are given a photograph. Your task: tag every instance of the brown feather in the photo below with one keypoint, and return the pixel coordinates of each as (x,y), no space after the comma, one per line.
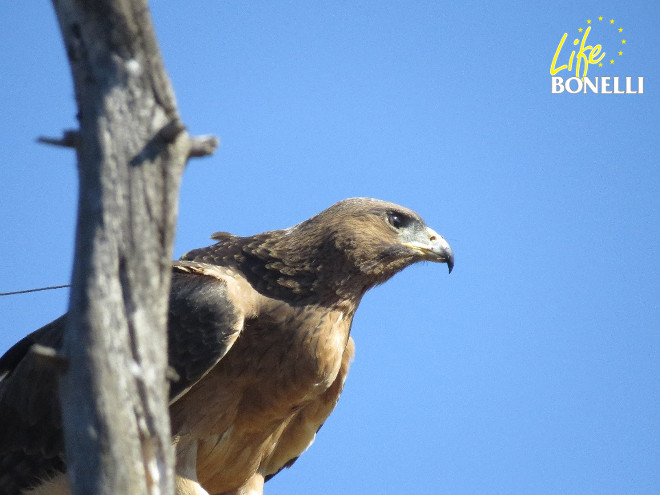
(259,334)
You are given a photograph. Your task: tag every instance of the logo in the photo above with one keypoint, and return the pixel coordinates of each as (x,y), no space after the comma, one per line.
(602,58)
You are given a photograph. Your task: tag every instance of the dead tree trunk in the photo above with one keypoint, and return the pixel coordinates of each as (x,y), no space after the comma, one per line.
(131,150)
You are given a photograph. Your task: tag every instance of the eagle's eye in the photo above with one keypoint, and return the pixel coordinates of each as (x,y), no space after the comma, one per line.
(395,220)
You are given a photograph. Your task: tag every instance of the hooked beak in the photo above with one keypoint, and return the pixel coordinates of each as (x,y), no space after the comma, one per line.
(433,248)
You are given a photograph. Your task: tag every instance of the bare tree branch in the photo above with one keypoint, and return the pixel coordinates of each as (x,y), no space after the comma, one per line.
(69,139)
(50,357)
(131,150)
(203,146)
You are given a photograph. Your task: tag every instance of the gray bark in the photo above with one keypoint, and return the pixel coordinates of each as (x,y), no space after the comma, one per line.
(131,151)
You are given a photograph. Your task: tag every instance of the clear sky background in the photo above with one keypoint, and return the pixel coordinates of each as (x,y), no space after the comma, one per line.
(535,366)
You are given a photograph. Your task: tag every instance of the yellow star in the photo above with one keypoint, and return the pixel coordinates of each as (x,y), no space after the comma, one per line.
(623,41)
(600,64)
(600,18)
(580,29)
(620,53)
(612,61)
(611,21)
(620,30)
(588,21)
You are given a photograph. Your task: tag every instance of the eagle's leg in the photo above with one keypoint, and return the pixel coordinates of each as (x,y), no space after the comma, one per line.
(58,485)
(186,486)
(253,486)
(186,468)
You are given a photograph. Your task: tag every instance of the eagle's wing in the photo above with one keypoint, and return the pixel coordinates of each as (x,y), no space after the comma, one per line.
(207,310)
(205,318)
(31,443)
(300,432)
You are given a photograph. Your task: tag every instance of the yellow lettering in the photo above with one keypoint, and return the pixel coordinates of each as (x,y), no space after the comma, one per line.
(594,53)
(581,56)
(586,55)
(553,71)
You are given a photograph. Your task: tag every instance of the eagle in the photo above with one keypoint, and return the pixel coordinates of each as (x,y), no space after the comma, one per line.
(259,334)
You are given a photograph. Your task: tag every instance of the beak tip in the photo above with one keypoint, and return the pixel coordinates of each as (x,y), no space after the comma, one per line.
(449,257)
(434,248)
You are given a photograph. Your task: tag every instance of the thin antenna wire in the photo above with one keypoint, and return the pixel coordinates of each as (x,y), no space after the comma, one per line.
(33,290)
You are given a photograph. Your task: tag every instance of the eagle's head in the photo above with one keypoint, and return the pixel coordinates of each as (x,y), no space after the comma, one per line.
(334,256)
(368,240)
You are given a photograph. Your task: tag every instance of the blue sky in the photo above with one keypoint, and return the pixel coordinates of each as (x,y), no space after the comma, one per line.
(533,367)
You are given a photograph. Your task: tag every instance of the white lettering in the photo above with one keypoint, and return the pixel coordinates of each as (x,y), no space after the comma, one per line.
(604,85)
(592,86)
(616,87)
(557,84)
(568,85)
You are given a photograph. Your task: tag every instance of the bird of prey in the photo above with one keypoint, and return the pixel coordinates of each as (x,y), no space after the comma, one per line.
(259,335)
